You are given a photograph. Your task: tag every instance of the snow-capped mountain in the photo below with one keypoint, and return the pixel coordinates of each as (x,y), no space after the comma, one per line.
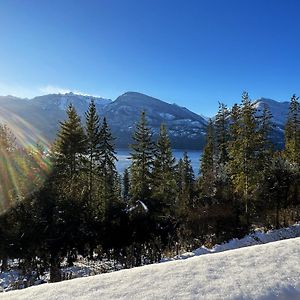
(279,111)
(38,118)
(186,129)
(61,101)
(42,115)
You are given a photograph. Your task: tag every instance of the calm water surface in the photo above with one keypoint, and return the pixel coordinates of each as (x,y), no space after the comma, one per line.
(124,160)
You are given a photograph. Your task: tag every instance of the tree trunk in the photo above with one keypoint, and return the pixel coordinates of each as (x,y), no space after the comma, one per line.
(277,215)
(4,264)
(55,273)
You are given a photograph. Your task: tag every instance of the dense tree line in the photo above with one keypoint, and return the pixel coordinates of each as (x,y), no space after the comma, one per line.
(158,206)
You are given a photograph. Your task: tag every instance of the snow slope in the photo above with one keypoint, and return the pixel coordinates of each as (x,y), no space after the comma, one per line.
(256,238)
(266,271)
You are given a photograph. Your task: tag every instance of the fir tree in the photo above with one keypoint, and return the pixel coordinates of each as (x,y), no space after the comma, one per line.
(142,161)
(107,161)
(221,130)
(188,176)
(243,150)
(70,144)
(292,132)
(126,185)
(164,183)
(222,135)
(185,181)
(265,151)
(207,169)
(92,144)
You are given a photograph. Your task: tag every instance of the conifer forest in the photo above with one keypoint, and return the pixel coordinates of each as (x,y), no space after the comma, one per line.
(71,200)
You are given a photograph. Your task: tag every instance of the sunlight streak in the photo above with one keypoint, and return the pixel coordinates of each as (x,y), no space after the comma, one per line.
(25,168)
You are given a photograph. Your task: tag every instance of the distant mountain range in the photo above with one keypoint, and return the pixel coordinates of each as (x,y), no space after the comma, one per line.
(279,112)
(38,118)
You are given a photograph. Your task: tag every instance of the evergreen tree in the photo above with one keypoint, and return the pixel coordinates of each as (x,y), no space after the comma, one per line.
(265,151)
(164,184)
(142,161)
(185,181)
(94,208)
(222,180)
(222,136)
(126,185)
(207,170)
(92,144)
(8,167)
(243,151)
(108,158)
(7,139)
(188,176)
(292,132)
(70,144)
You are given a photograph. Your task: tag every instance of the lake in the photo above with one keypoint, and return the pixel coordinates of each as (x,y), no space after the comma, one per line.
(124,160)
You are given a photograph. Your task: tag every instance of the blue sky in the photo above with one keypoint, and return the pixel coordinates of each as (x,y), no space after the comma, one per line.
(194,53)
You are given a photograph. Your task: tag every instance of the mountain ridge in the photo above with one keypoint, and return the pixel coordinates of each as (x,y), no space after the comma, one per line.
(38,118)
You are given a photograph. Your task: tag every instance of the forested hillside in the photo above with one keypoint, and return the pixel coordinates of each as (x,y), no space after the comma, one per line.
(76,203)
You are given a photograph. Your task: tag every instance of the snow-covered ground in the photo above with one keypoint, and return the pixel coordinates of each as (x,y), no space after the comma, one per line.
(266,271)
(256,238)
(14,279)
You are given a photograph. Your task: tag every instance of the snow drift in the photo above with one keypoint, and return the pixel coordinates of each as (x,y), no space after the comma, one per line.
(256,238)
(258,272)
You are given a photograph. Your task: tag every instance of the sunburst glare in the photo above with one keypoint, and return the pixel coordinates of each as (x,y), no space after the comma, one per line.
(24,162)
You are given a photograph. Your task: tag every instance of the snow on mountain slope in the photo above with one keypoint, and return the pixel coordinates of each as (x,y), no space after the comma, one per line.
(279,110)
(258,272)
(53,102)
(186,129)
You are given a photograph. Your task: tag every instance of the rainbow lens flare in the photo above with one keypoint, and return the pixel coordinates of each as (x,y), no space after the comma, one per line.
(25,167)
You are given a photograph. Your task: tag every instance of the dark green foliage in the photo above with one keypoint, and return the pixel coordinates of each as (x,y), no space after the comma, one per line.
(185,181)
(243,153)
(93,140)
(142,156)
(208,167)
(265,145)
(221,136)
(126,185)
(164,188)
(107,151)
(278,185)
(70,145)
(292,132)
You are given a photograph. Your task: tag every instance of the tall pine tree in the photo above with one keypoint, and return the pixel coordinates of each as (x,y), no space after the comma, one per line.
(243,151)
(164,186)
(93,145)
(292,132)
(107,161)
(142,155)
(207,169)
(70,144)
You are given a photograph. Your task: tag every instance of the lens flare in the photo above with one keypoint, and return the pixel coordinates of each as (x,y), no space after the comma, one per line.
(24,168)
(24,132)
